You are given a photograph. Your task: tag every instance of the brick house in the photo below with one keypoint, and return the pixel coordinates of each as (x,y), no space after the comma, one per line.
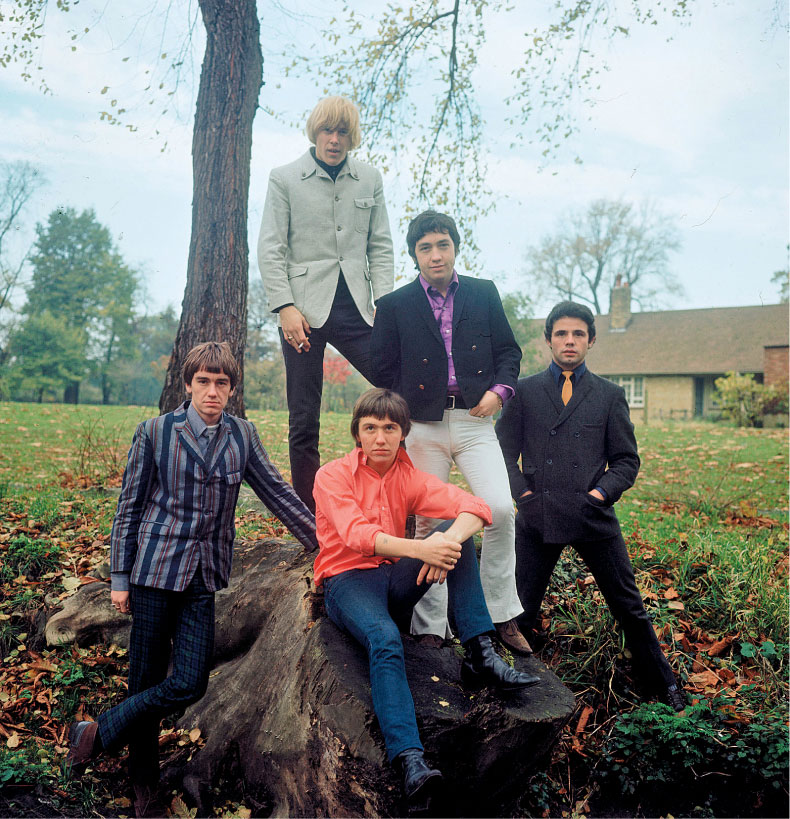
(668,361)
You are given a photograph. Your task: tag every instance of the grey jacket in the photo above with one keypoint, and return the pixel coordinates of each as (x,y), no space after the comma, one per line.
(312,227)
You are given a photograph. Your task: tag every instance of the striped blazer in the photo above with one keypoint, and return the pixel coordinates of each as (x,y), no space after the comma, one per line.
(176,510)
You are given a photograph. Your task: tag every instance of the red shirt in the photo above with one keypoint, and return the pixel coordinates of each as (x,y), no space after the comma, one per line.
(354,503)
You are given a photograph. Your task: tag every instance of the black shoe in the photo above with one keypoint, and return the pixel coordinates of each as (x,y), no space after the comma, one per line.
(419,781)
(483,666)
(675,697)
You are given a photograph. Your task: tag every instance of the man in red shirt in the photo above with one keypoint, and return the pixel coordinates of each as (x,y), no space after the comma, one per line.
(373,576)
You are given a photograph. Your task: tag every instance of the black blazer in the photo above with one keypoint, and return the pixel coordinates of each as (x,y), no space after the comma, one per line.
(408,353)
(565,452)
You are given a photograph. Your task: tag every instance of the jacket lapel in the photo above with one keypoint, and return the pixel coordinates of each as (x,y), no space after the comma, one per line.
(579,393)
(550,387)
(188,440)
(420,304)
(459,300)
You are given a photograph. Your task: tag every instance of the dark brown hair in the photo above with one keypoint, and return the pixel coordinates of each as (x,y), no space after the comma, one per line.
(380,403)
(213,357)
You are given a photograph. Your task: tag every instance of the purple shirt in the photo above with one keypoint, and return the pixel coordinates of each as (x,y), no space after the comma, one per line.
(442,307)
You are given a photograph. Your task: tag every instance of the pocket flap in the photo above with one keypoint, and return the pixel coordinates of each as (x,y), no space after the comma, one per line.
(233,477)
(365,202)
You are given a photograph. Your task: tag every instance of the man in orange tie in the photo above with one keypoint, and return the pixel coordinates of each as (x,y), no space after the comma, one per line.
(574,436)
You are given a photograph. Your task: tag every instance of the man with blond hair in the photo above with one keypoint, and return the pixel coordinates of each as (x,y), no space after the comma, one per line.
(325,255)
(171,549)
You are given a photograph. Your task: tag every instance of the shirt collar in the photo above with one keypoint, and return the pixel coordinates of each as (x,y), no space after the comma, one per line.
(556,371)
(430,290)
(195,421)
(358,459)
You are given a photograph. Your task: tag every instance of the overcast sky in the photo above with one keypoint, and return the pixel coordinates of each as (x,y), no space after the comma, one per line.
(697,125)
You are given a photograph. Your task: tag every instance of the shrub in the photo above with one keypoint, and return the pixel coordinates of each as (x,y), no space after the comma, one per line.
(745,401)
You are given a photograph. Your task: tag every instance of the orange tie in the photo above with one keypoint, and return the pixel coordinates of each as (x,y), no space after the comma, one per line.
(567,387)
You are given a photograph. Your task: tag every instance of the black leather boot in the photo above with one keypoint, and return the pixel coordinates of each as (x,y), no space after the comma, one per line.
(419,781)
(483,666)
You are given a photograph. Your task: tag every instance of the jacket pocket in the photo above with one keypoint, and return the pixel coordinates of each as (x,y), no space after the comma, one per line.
(362,209)
(297,278)
(233,477)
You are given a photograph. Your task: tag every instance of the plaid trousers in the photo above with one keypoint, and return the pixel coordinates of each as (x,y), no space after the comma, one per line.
(161,619)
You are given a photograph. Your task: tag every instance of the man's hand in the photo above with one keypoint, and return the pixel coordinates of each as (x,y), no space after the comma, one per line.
(440,554)
(430,574)
(120,601)
(596,494)
(489,404)
(295,328)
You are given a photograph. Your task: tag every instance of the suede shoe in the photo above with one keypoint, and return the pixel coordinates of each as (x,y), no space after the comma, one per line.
(419,782)
(675,698)
(483,666)
(82,737)
(511,637)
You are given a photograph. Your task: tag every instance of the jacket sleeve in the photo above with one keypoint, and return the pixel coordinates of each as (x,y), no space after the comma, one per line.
(273,242)
(621,450)
(135,491)
(381,259)
(510,431)
(507,353)
(277,494)
(385,347)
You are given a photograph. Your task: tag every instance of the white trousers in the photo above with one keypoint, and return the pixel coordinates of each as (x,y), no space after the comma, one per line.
(472,444)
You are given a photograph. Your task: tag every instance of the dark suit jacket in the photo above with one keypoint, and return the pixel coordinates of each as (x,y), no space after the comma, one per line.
(408,353)
(566,451)
(176,510)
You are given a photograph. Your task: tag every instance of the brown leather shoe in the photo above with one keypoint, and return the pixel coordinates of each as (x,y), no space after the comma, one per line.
(510,636)
(82,736)
(429,640)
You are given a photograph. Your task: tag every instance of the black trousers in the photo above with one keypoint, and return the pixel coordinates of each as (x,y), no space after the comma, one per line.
(349,334)
(610,565)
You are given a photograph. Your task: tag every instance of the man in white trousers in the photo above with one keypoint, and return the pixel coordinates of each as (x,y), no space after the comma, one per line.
(444,343)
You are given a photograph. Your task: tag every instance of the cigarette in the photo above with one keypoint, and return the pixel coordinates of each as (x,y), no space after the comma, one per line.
(301,344)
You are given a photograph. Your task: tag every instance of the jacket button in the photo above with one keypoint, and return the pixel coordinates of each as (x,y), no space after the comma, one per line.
(337,199)
(425,361)
(548,461)
(421,386)
(553,432)
(340,258)
(479,372)
(545,491)
(575,434)
(576,466)
(339,228)
(474,346)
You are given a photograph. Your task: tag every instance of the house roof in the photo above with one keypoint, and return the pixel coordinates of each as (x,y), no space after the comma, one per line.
(710,341)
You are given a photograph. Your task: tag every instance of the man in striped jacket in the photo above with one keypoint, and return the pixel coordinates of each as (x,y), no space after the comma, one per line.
(171,550)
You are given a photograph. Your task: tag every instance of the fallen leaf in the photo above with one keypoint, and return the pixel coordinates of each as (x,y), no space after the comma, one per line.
(676,605)
(719,647)
(194,734)
(71,583)
(671,594)
(13,741)
(435,678)
(444,703)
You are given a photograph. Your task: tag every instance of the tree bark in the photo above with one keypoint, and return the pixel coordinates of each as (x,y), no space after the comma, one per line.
(287,722)
(215,298)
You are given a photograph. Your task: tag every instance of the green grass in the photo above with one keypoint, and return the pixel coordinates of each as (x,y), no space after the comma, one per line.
(705,524)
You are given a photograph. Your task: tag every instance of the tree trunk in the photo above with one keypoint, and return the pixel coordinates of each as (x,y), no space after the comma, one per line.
(287,722)
(71,393)
(215,298)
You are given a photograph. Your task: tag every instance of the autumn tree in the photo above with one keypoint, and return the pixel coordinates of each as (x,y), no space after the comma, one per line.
(80,276)
(414,70)
(590,249)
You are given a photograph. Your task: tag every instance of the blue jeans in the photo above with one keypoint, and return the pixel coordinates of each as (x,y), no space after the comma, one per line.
(375,605)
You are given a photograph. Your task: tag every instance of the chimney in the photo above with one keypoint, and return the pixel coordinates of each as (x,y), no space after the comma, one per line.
(619,306)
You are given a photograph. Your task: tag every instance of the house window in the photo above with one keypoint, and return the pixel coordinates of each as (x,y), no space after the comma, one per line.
(634,386)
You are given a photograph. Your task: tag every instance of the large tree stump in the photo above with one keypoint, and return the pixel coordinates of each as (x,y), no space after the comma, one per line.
(288,708)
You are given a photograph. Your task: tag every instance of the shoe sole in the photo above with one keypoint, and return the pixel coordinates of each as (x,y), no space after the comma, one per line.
(420,802)
(476,683)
